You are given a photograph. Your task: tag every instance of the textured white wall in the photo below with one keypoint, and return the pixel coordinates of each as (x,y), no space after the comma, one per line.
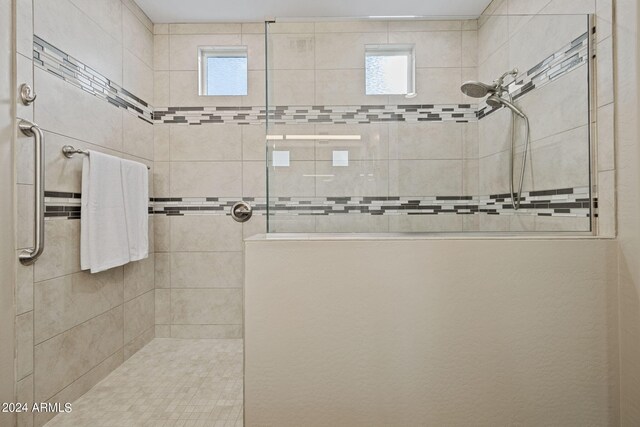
(628,179)
(431,332)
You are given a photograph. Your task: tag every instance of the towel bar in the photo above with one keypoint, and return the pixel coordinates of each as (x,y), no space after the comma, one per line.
(69,151)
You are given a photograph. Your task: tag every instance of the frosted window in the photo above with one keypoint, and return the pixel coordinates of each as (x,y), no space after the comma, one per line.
(227,76)
(389,69)
(223,71)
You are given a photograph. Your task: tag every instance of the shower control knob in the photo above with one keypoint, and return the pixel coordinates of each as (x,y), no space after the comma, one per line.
(241,211)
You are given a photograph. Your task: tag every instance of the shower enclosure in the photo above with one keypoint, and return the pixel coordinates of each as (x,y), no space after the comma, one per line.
(368,129)
(371,129)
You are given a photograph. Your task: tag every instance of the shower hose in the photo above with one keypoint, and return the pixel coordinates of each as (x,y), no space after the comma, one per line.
(515,197)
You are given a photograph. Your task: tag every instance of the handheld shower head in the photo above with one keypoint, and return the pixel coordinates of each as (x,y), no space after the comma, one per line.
(477,89)
(496,101)
(480,90)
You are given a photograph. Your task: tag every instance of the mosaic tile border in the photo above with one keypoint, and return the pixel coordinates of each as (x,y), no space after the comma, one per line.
(314,114)
(65,205)
(82,76)
(73,71)
(564,202)
(572,202)
(567,59)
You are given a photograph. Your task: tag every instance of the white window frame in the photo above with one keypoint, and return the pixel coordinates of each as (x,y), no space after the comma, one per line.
(206,52)
(408,50)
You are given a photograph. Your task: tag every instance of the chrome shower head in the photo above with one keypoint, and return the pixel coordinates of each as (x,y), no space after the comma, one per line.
(477,89)
(480,90)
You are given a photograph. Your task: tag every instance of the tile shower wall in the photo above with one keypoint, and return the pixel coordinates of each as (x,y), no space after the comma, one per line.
(409,175)
(199,259)
(199,255)
(559,111)
(403,155)
(417,152)
(427,154)
(557,202)
(73,328)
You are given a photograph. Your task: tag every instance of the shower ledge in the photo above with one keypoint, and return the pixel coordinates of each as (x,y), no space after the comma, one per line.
(420,236)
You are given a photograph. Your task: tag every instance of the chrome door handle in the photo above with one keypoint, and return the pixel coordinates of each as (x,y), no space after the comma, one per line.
(29,256)
(241,211)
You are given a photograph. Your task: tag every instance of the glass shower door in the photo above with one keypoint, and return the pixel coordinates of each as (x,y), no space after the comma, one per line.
(368,130)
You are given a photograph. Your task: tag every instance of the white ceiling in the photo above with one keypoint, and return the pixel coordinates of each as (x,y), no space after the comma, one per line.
(165,11)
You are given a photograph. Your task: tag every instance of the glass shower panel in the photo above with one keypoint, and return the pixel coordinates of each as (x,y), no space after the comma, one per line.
(434,159)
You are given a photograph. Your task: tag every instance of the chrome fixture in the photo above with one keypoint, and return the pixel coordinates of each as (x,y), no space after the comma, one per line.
(480,90)
(29,256)
(499,96)
(27,95)
(496,101)
(241,211)
(69,151)
(477,89)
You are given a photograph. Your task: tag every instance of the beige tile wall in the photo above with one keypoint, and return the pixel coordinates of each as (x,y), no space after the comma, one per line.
(73,328)
(199,258)
(321,63)
(391,159)
(515,33)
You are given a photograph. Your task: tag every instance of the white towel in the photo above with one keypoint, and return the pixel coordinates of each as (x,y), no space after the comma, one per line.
(104,240)
(135,188)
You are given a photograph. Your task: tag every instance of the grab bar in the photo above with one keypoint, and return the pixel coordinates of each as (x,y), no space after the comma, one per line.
(29,256)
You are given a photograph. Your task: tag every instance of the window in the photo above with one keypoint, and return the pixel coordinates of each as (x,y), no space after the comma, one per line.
(223,70)
(390,69)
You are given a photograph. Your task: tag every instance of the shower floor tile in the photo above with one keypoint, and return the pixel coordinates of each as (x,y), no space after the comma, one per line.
(170,382)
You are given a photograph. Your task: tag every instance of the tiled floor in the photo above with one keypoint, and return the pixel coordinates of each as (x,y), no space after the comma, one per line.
(170,382)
